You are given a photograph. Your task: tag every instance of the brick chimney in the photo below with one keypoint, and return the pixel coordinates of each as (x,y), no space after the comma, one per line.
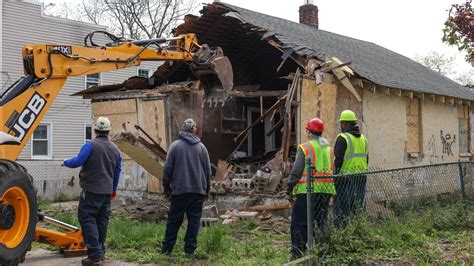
(309,14)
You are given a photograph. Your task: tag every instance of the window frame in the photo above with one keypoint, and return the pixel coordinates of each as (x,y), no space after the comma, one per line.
(85,80)
(49,132)
(142,68)
(85,126)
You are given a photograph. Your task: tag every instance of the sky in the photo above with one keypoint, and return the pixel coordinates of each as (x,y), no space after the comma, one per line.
(408,27)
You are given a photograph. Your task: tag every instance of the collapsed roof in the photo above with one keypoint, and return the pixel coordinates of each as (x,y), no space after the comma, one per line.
(221,24)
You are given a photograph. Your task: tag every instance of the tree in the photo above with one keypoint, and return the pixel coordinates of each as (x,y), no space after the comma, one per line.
(459,29)
(137,19)
(444,64)
(438,62)
(134,19)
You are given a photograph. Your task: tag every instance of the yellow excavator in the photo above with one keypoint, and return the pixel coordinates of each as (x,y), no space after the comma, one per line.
(23,105)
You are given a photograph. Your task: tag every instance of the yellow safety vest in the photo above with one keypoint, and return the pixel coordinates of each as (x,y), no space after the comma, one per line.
(322,159)
(355,156)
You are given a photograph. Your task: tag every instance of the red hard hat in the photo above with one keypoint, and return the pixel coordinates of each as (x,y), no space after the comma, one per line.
(315,125)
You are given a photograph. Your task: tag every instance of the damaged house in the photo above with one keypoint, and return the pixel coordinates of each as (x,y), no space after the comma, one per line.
(284,73)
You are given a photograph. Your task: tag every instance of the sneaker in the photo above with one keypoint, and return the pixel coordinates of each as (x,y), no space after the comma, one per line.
(92,261)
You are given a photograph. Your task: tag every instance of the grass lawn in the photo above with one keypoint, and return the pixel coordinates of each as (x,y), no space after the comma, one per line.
(438,233)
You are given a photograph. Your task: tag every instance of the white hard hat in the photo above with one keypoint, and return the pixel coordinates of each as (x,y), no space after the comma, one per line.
(102,124)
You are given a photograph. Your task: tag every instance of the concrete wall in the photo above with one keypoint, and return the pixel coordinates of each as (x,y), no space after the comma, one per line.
(124,115)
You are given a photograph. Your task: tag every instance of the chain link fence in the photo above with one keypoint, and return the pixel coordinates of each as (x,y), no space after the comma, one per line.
(385,193)
(53,181)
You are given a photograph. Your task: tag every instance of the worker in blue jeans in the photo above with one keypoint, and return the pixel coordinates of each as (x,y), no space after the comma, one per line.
(186,182)
(101,162)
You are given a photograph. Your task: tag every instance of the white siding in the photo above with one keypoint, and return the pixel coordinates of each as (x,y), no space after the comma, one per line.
(25,23)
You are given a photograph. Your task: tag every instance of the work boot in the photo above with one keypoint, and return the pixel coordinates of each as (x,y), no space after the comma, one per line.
(92,261)
(296,253)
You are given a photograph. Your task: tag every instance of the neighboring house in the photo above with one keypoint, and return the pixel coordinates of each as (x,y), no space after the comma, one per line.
(67,124)
(410,114)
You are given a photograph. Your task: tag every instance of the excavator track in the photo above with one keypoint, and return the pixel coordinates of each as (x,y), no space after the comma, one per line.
(18,212)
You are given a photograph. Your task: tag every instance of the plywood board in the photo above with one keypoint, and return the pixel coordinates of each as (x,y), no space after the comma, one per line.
(114,107)
(119,122)
(413,126)
(413,134)
(152,163)
(309,105)
(413,107)
(154,120)
(328,109)
(347,101)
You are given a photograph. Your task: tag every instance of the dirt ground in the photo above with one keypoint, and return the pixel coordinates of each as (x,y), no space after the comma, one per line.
(40,257)
(146,210)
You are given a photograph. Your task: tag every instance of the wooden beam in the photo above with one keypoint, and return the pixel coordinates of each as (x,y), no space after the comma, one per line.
(408,94)
(246,88)
(357,82)
(120,95)
(374,89)
(256,94)
(269,111)
(450,100)
(400,93)
(458,101)
(433,97)
(298,61)
(420,95)
(440,98)
(387,91)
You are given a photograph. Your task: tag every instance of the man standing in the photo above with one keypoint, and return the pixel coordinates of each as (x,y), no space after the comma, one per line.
(351,152)
(101,163)
(186,180)
(320,153)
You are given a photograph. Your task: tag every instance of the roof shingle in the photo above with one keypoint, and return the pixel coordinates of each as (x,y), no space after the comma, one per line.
(369,60)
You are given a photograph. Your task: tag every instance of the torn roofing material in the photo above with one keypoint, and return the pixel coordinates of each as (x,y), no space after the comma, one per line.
(369,60)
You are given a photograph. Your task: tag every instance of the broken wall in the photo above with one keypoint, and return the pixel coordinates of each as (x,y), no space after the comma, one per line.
(124,115)
(222,124)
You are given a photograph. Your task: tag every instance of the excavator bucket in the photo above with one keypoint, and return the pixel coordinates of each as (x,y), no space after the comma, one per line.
(214,70)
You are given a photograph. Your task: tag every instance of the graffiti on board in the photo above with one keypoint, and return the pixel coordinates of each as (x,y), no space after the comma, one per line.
(447,141)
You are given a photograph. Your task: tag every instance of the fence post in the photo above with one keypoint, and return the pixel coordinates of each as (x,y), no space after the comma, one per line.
(462,174)
(309,210)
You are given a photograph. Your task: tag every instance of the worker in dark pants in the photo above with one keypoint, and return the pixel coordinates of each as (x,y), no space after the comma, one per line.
(186,181)
(320,153)
(101,163)
(351,161)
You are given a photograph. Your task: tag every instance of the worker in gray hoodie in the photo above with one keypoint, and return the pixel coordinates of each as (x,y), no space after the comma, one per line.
(186,181)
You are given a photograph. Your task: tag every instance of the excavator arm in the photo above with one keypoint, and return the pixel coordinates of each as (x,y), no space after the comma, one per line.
(24,104)
(48,66)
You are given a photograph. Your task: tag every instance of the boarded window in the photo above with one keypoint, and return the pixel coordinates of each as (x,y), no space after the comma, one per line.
(413,126)
(463,114)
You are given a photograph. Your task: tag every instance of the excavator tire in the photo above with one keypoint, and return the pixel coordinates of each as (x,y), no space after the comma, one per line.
(18,212)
